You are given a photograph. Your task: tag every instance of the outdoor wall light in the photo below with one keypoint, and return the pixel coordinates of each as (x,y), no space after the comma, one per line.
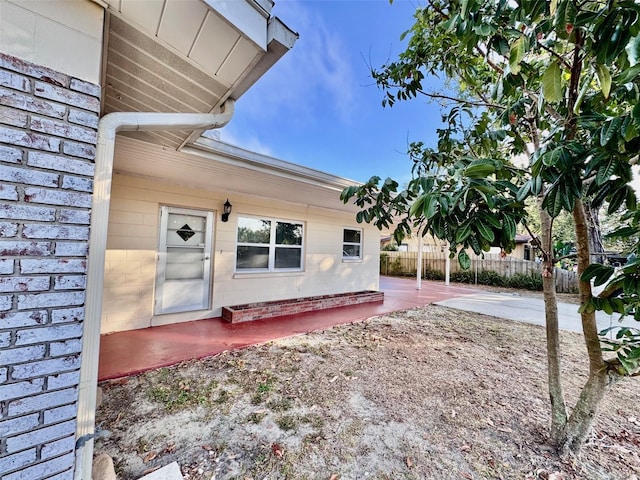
(226,211)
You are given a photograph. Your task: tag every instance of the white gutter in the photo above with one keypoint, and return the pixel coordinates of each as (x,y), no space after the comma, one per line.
(108,127)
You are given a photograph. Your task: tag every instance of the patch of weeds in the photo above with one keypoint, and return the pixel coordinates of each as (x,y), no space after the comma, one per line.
(159,394)
(352,432)
(257,398)
(287,422)
(261,459)
(314,420)
(164,374)
(174,392)
(223,397)
(142,445)
(266,386)
(286,469)
(256,417)
(281,405)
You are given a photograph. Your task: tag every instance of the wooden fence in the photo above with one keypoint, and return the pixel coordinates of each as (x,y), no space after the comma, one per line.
(405,263)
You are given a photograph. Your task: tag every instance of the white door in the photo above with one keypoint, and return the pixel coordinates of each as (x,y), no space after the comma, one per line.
(183,279)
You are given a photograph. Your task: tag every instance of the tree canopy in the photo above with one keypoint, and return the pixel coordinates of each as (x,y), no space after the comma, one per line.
(546,107)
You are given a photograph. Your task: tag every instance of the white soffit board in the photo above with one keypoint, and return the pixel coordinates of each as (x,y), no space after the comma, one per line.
(249,16)
(145,13)
(186,56)
(234,64)
(180,24)
(215,32)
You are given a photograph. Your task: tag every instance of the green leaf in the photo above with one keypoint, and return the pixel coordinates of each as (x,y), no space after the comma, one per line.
(516,54)
(479,169)
(633,51)
(490,219)
(604,77)
(524,191)
(417,205)
(463,233)
(464,260)
(552,83)
(509,227)
(609,129)
(587,307)
(485,232)
(430,207)
(600,274)
(629,74)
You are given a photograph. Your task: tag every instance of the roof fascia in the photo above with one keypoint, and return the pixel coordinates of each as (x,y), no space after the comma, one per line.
(232,155)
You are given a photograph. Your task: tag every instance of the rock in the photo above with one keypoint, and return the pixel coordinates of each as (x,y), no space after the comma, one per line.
(168,472)
(98,397)
(103,468)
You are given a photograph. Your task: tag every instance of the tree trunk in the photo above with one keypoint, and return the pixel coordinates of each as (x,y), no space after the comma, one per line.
(596,247)
(556,396)
(598,382)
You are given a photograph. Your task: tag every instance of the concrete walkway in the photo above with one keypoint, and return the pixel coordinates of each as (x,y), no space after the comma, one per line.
(134,351)
(523,308)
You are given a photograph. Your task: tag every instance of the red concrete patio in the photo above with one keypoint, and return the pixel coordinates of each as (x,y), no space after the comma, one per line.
(135,351)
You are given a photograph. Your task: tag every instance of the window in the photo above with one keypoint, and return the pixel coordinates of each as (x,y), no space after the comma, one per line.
(351,244)
(266,244)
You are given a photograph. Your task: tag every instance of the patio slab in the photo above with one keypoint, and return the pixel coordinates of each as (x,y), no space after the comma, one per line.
(135,351)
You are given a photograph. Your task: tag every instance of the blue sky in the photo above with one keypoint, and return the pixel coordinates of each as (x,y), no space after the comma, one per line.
(319,107)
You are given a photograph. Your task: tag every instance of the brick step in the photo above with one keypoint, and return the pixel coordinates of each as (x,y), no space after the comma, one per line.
(278,308)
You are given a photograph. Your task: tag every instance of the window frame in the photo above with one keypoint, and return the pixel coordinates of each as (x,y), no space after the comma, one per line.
(350,258)
(272,245)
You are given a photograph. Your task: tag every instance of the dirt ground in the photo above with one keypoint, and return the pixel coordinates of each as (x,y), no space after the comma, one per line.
(429,393)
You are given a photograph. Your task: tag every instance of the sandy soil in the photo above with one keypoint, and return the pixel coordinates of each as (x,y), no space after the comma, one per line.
(429,393)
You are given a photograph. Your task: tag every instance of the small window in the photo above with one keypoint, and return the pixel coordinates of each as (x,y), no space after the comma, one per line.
(351,244)
(266,244)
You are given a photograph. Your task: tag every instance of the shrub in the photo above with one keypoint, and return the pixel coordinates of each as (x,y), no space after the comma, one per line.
(430,274)
(527,282)
(488,277)
(463,277)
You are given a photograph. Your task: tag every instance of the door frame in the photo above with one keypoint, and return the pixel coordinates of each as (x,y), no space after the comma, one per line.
(209,216)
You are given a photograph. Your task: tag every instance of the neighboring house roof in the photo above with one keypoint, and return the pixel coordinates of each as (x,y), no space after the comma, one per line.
(523,238)
(186,57)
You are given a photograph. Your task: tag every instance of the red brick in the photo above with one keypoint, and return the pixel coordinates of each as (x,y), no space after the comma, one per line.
(62,95)
(21,101)
(36,71)
(29,139)
(13,117)
(63,129)
(60,163)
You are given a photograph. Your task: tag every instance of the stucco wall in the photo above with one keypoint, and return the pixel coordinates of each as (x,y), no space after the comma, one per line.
(132,251)
(38,31)
(48,124)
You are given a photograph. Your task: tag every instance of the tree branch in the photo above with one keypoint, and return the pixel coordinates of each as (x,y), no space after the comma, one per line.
(472,103)
(557,55)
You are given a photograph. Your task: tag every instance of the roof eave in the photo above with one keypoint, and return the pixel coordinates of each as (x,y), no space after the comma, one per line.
(232,154)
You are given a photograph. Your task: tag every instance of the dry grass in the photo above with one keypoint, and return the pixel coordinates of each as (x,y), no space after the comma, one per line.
(429,393)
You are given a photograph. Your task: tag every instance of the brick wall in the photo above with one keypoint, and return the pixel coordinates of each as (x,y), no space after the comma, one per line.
(48,124)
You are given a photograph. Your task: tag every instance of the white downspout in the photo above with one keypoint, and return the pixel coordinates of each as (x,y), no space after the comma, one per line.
(108,127)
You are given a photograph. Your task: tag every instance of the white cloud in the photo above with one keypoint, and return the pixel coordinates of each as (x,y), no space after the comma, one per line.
(316,74)
(251,143)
